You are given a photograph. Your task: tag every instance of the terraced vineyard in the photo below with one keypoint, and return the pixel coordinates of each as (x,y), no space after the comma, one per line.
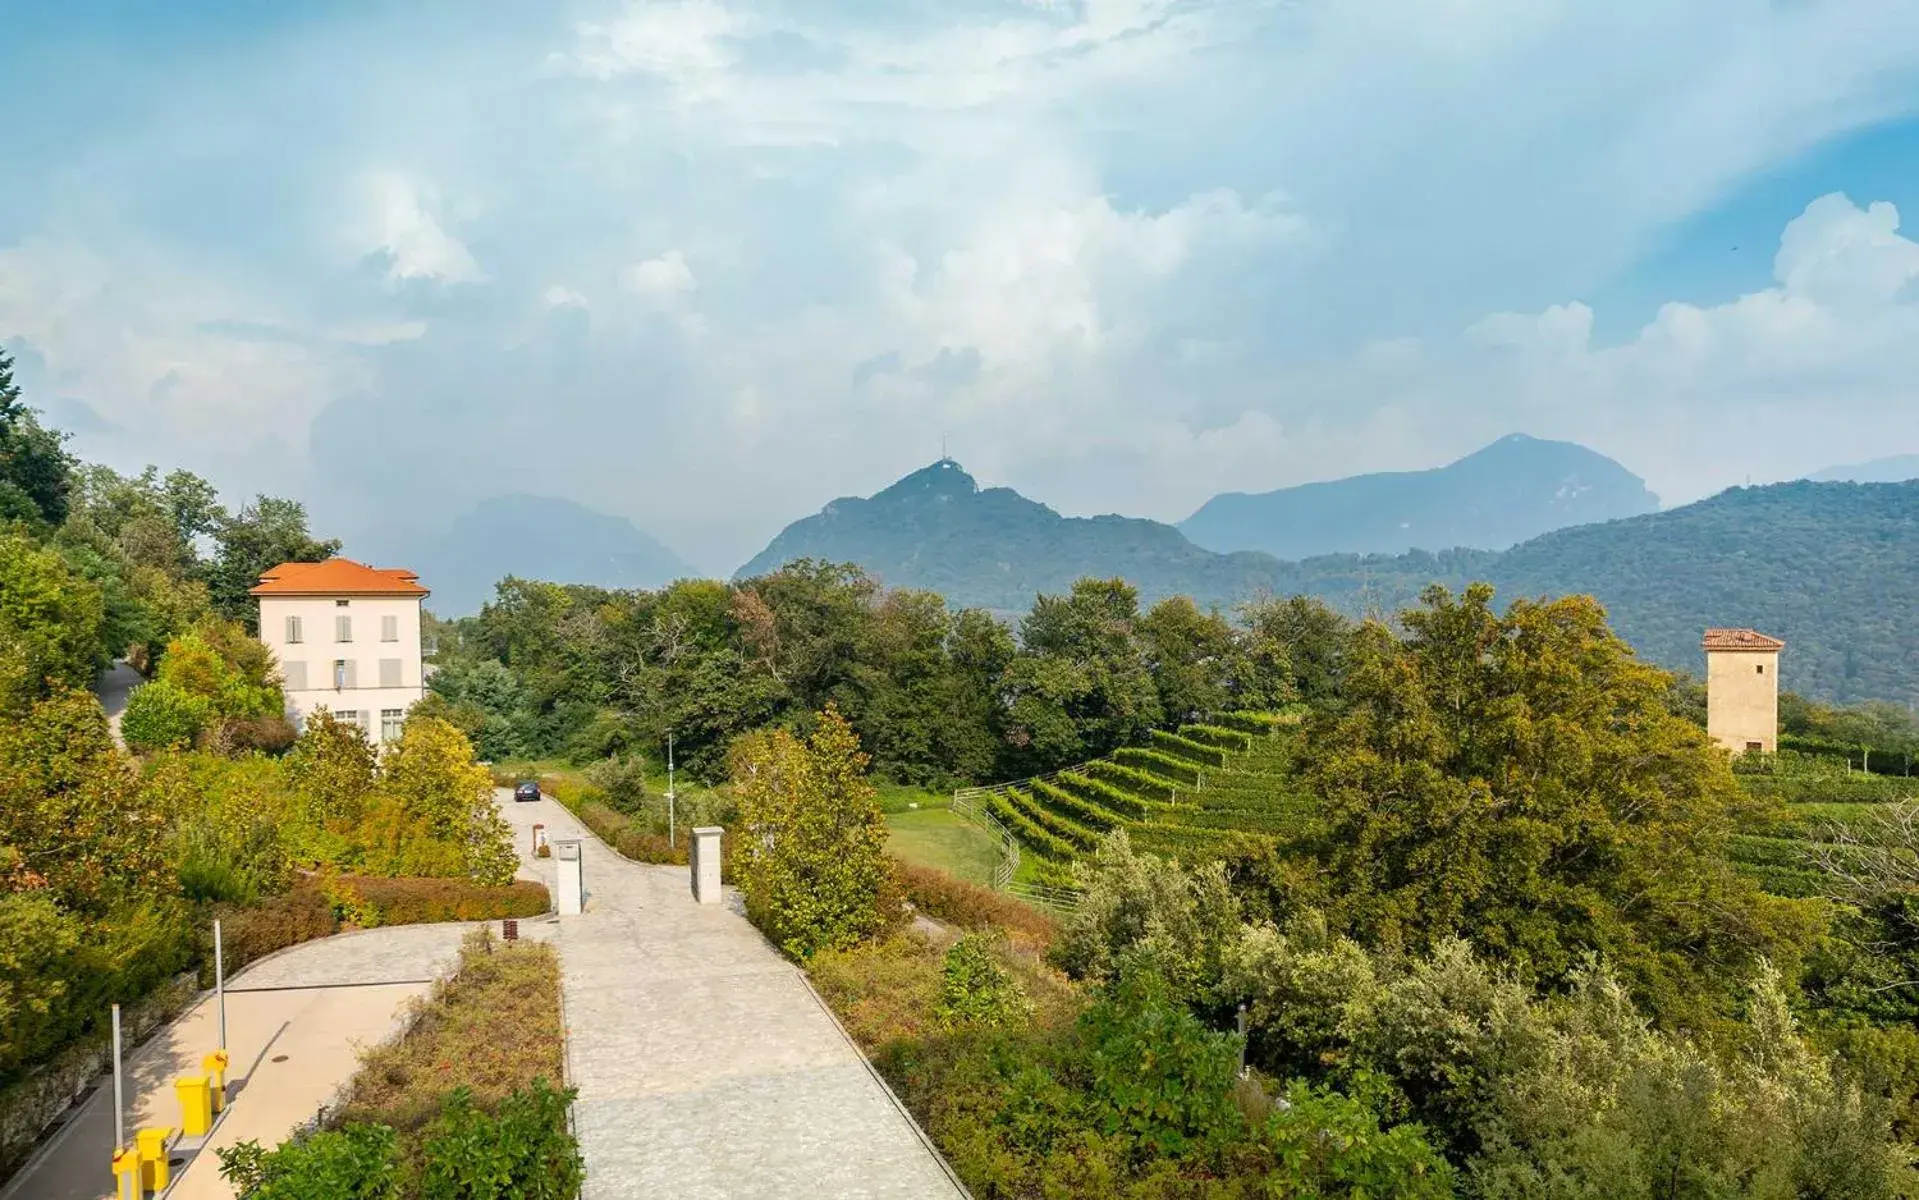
(1193,794)
(1812,795)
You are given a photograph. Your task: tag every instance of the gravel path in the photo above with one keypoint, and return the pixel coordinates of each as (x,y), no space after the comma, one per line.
(705,1066)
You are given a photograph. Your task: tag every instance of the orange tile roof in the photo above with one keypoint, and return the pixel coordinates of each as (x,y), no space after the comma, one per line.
(1741,639)
(338,577)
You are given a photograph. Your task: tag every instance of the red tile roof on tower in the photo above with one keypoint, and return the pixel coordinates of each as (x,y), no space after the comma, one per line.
(1741,639)
(338,577)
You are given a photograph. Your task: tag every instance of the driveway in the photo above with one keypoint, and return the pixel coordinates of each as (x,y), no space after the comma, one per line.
(706,1067)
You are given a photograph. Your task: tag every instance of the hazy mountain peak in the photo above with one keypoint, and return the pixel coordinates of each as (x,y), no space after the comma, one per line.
(1896,469)
(942,479)
(1514,489)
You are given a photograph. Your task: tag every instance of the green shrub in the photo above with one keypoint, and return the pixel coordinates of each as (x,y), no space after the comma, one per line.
(360,1162)
(622,780)
(1332,1146)
(975,990)
(1157,1075)
(521,1151)
(161,716)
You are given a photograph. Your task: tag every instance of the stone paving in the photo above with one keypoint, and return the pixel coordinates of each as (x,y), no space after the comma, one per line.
(296,1022)
(705,1066)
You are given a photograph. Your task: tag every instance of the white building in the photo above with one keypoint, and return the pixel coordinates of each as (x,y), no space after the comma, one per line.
(347,638)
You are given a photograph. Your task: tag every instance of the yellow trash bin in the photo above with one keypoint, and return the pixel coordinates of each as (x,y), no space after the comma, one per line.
(215,1065)
(126,1174)
(196,1105)
(154,1174)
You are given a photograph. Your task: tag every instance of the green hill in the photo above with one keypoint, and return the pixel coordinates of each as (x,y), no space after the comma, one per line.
(1833,568)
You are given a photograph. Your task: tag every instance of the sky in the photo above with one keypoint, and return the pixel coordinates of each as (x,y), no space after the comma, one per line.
(709,264)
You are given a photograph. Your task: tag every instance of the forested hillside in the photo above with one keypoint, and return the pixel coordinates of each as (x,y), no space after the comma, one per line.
(1833,568)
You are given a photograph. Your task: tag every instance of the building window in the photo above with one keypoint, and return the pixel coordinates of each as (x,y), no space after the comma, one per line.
(350,715)
(295,674)
(389,629)
(1755,747)
(340,603)
(1762,668)
(343,629)
(343,674)
(390,721)
(293,631)
(389,672)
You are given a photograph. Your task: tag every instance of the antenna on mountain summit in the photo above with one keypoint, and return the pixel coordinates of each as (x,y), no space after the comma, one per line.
(942,447)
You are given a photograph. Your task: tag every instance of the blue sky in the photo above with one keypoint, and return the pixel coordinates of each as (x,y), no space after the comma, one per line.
(710,263)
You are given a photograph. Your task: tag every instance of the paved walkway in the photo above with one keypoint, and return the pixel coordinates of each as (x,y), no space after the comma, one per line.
(113,687)
(296,1022)
(705,1067)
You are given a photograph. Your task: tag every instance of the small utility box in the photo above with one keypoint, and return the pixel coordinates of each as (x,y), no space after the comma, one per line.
(704,859)
(566,857)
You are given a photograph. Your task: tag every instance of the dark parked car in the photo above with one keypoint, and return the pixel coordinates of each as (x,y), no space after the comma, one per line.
(528,790)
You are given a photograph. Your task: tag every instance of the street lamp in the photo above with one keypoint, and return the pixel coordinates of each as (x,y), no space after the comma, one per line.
(669,788)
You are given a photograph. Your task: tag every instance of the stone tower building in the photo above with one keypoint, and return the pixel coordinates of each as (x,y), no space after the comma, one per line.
(1742,689)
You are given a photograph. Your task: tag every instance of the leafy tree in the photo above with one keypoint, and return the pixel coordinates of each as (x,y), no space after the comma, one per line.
(50,625)
(1519,780)
(812,849)
(36,472)
(1083,687)
(1157,1075)
(261,536)
(1302,639)
(332,769)
(77,821)
(1196,663)
(431,769)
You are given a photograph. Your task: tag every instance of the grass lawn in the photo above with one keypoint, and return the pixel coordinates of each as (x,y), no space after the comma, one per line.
(934,837)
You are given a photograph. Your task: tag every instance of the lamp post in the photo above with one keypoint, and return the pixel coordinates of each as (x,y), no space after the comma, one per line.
(669,788)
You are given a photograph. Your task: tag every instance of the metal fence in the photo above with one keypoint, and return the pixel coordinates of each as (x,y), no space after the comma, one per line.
(969,804)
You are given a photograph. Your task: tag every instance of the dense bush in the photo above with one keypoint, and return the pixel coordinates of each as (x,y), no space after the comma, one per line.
(622,779)
(359,1162)
(975,990)
(959,902)
(423,901)
(160,716)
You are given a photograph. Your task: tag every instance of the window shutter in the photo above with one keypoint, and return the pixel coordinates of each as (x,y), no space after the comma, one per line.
(389,629)
(343,629)
(296,676)
(389,672)
(352,675)
(293,630)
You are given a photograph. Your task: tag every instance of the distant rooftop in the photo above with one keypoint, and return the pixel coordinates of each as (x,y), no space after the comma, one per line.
(1741,639)
(338,577)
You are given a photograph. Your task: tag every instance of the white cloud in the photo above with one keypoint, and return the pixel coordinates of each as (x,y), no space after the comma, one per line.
(1123,252)
(411,238)
(660,279)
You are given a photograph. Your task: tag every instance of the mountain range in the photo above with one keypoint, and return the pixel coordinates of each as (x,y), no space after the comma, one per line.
(1833,568)
(532,537)
(1517,488)
(1896,469)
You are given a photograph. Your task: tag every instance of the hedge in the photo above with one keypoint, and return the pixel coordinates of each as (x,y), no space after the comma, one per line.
(1186,748)
(1106,796)
(1213,735)
(1074,808)
(426,901)
(1023,828)
(1163,765)
(1254,722)
(1150,787)
(1068,831)
(968,905)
